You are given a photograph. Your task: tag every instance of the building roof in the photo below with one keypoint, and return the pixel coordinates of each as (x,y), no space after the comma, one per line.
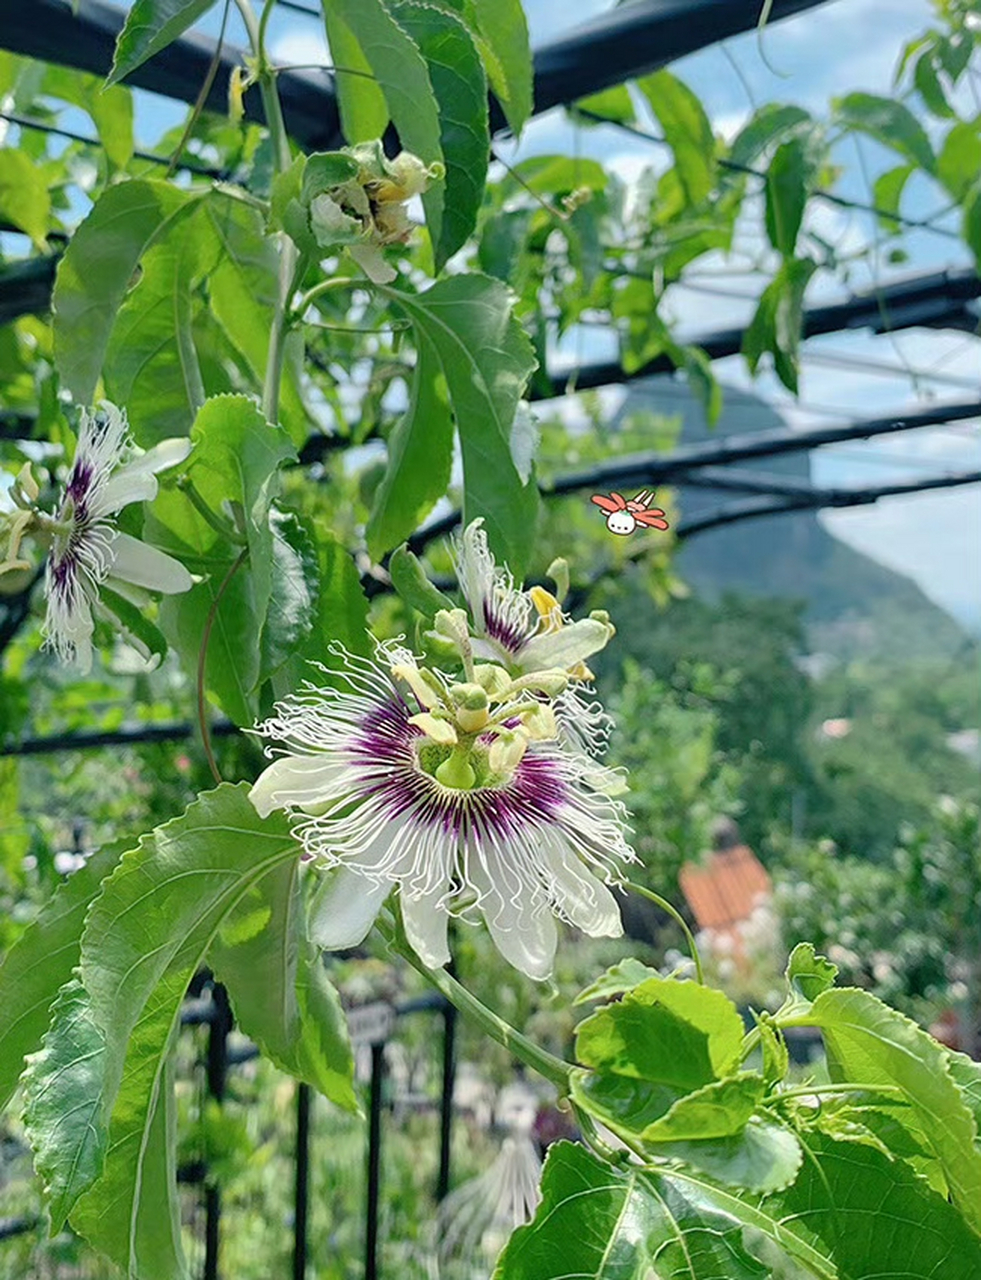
(725,890)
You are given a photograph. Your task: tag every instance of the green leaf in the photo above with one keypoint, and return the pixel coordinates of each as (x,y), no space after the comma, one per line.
(763,1157)
(151,363)
(294,589)
(622,976)
(675,1033)
(971,222)
(687,130)
(63,1103)
(150,26)
(612,104)
(717,1110)
(503,29)
(786,196)
(262,956)
(133,623)
(364,112)
(235,459)
(887,192)
(619,1224)
(808,973)
(403,77)
(486,360)
(870,1044)
(959,161)
(243,288)
(928,85)
(111,110)
(769,123)
(776,324)
(24,198)
(873,1217)
(132,1211)
(96,271)
(40,962)
(420,455)
(890,123)
(410,581)
(460,86)
(702,381)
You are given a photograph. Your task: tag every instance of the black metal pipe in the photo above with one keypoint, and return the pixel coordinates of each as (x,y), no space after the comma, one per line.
(301,1200)
(217,1070)
(374,1162)
(446,1100)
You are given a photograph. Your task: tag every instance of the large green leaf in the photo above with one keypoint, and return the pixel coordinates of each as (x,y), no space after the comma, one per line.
(870,1044)
(96,271)
(294,590)
(150,26)
(242,289)
(403,76)
(420,454)
(687,130)
(151,363)
(24,198)
(889,122)
(612,1223)
(364,113)
(502,29)
(235,460)
(770,123)
(40,962)
(786,196)
(279,990)
(63,1102)
(111,110)
(959,161)
(486,359)
(458,81)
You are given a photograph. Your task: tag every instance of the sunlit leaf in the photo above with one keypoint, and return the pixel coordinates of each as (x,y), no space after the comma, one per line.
(150,26)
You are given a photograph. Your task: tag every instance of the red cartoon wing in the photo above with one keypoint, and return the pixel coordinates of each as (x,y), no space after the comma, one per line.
(608,504)
(654,519)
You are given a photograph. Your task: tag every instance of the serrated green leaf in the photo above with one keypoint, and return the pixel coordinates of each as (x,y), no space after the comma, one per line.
(420,455)
(764,1157)
(889,122)
(63,1102)
(262,956)
(619,1224)
(236,458)
(887,192)
(24,198)
(243,288)
(808,973)
(40,962)
(294,589)
(711,1011)
(870,1044)
(97,269)
(503,28)
(786,196)
(460,86)
(486,360)
(410,581)
(717,1110)
(364,112)
(768,124)
(622,976)
(150,26)
(111,110)
(151,363)
(687,131)
(403,77)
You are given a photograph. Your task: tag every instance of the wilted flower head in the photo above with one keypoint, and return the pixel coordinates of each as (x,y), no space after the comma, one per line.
(457,792)
(87,551)
(368,211)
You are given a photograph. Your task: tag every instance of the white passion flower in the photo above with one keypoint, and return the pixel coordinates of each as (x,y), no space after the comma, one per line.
(458,795)
(87,550)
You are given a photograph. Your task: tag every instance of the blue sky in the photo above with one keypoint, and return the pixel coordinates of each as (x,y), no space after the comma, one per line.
(835,48)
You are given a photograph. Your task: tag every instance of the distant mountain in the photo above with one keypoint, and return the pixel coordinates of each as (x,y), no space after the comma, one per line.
(854,605)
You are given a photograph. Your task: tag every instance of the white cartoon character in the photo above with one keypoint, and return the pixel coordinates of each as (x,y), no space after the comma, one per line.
(623,517)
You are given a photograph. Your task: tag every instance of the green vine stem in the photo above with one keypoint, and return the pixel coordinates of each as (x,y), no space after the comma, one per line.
(290,267)
(677,917)
(325,286)
(540,1060)
(203,661)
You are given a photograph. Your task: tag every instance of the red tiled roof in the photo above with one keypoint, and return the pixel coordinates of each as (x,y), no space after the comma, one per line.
(726,889)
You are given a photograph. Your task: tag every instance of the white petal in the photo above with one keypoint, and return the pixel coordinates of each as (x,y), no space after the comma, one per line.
(146,566)
(425,927)
(343,909)
(567,646)
(369,259)
(135,481)
(525,937)
(586,901)
(294,780)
